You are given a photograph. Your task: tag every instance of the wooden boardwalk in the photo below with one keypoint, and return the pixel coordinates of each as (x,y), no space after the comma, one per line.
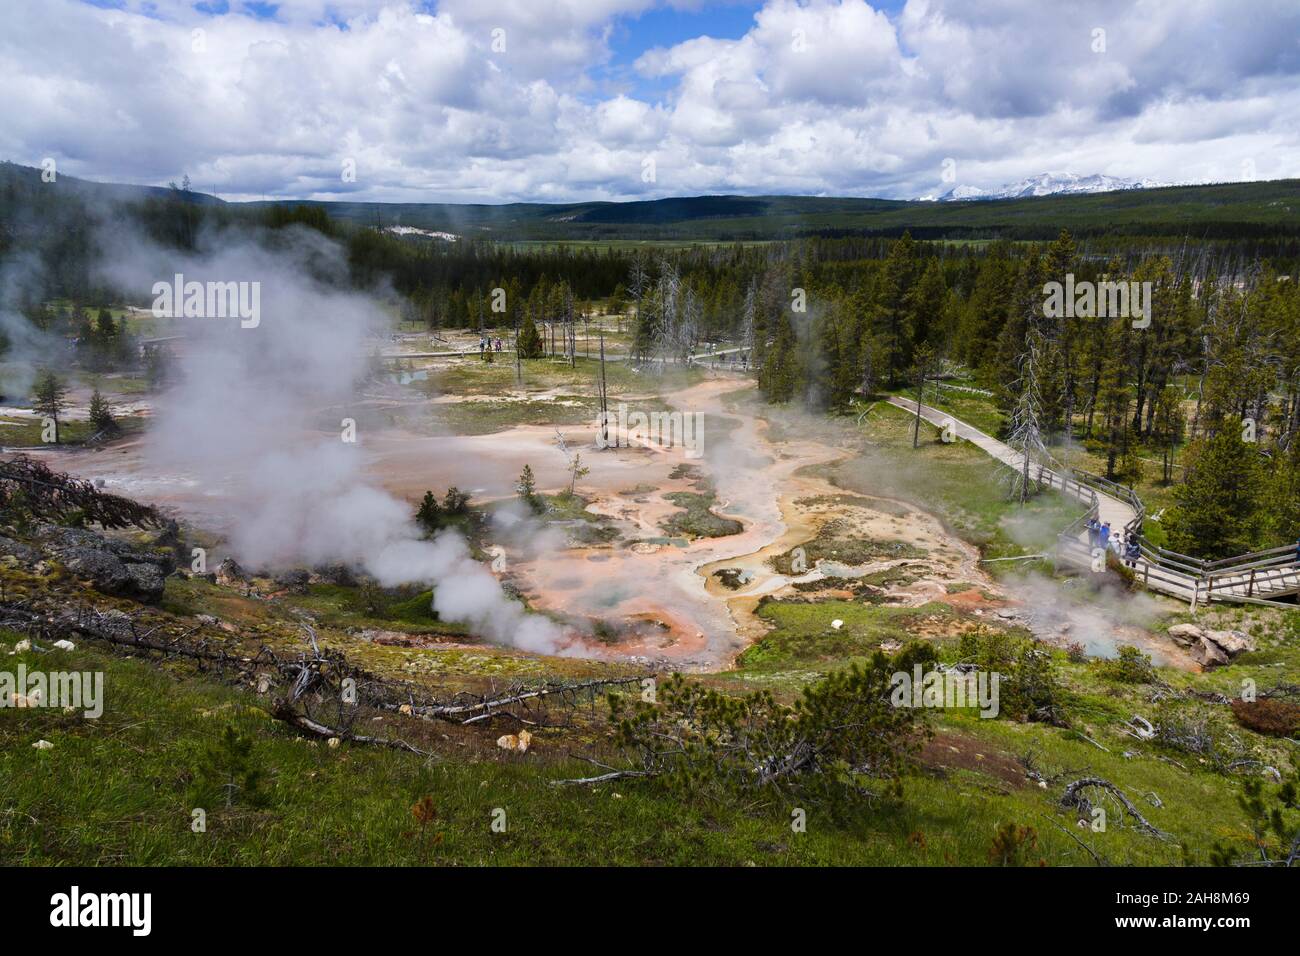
(1261,577)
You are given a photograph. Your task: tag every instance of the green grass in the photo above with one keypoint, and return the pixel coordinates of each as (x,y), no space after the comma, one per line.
(697,519)
(957,482)
(27,432)
(337,606)
(1086,455)
(974,410)
(486,417)
(117,791)
(553,394)
(803,634)
(477,377)
(852,550)
(582,527)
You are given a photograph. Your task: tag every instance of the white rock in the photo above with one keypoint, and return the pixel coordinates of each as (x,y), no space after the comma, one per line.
(333,742)
(1209,654)
(65,645)
(837,624)
(1232,642)
(43,745)
(23,646)
(1186,634)
(516,742)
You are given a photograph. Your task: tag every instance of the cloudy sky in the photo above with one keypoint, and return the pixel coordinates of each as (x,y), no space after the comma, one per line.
(557,100)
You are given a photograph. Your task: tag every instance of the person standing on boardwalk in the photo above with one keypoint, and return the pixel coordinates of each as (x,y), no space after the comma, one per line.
(1132,551)
(1103,538)
(1094,529)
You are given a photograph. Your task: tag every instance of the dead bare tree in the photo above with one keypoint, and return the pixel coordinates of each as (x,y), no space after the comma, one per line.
(1026,434)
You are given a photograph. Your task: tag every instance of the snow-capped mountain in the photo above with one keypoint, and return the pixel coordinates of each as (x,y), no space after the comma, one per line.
(1049,184)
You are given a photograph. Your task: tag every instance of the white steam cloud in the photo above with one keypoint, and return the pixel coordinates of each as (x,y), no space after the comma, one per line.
(259,412)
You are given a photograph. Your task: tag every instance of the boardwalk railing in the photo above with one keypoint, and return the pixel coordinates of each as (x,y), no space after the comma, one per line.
(1258,577)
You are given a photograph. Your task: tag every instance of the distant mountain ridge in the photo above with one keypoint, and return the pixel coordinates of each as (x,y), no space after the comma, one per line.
(1259,208)
(1050,184)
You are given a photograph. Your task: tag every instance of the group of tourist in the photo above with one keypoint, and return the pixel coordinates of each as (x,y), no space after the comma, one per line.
(1126,547)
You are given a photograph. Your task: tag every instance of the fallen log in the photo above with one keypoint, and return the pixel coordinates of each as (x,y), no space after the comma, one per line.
(486,707)
(307,725)
(1074,797)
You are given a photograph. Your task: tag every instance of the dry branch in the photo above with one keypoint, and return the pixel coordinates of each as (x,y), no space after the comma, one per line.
(312,680)
(54,496)
(1075,797)
(306,724)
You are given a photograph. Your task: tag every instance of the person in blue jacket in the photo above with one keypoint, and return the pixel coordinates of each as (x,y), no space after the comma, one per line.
(1103,540)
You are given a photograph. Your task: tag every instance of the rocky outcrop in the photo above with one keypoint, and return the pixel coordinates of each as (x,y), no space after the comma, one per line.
(112,566)
(338,574)
(295,581)
(230,574)
(25,554)
(1211,648)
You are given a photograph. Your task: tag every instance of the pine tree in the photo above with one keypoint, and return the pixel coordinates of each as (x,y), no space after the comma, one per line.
(455,501)
(926,304)
(529,343)
(429,514)
(157,365)
(1129,470)
(576,470)
(1167,429)
(777,375)
(101,414)
(227,772)
(894,319)
(1283,494)
(1112,399)
(526,489)
(49,398)
(1217,512)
